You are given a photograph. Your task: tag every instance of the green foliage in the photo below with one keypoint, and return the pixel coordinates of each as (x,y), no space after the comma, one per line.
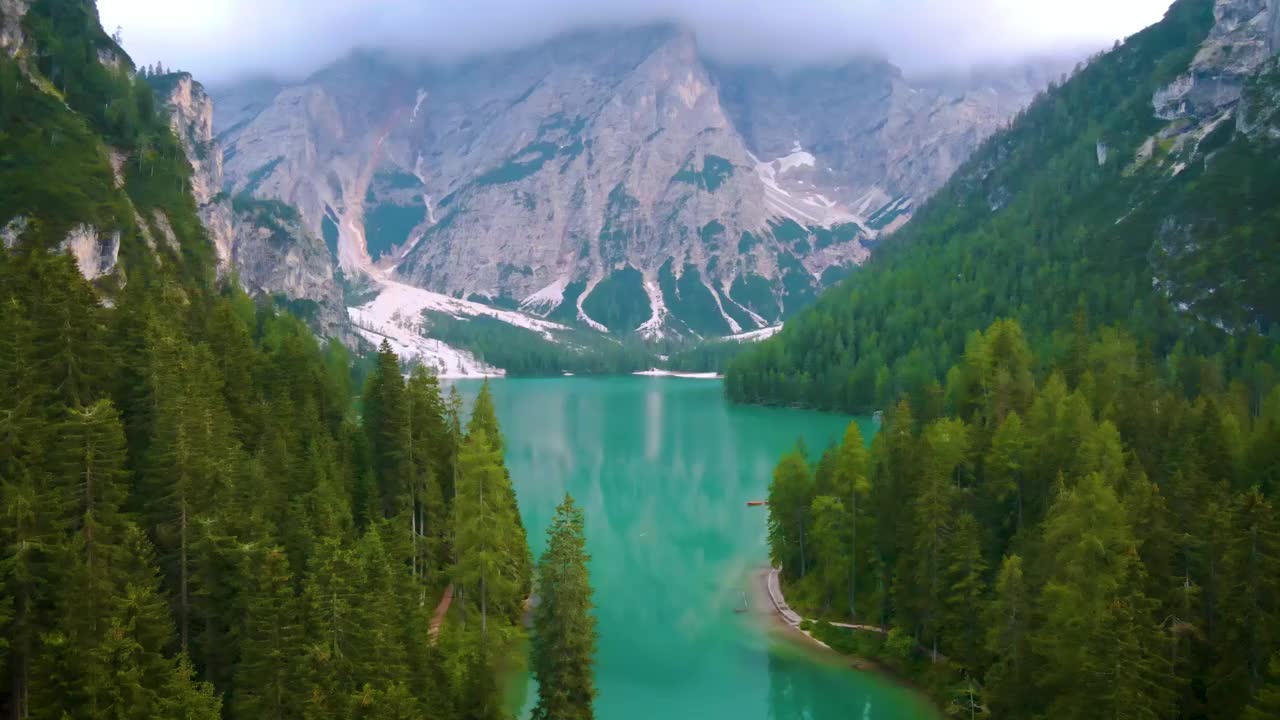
(526,353)
(191,508)
(619,302)
(388,225)
(689,300)
(563,644)
(1059,550)
(527,161)
(256,177)
(493,566)
(757,295)
(715,170)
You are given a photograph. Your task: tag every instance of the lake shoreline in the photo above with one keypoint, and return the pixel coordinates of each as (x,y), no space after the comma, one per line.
(760,582)
(760,587)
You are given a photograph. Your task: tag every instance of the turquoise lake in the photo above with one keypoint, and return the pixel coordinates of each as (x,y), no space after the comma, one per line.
(663,469)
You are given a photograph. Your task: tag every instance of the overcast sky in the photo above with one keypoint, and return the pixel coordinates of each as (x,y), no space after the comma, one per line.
(218,40)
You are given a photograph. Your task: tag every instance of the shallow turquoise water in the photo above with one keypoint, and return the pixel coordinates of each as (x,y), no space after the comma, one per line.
(663,468)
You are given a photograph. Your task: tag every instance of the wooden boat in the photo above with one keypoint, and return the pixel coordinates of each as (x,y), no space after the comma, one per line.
(757,503)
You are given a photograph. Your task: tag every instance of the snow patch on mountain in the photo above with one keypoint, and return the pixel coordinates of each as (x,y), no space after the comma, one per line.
(395,315)
(651,329)
(755,335)
(547,299)
(794,202)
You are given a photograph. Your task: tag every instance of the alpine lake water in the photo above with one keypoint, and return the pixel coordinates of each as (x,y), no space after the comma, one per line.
(663,469)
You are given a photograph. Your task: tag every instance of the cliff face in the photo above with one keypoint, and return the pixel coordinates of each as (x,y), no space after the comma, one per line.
(615,179)
(269,249)
(1245,34)
(11,12)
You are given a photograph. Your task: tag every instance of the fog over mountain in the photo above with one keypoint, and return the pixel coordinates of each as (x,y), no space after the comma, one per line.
(224,40)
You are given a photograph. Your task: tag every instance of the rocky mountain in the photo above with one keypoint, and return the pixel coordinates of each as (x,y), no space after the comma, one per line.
(90,167)
(615,180)
(262,241)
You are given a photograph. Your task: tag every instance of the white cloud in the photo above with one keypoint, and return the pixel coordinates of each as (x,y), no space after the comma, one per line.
(217,39)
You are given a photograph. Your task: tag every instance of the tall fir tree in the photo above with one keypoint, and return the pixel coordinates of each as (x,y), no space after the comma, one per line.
(563,643)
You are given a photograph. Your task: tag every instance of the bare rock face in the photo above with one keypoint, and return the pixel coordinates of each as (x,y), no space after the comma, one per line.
(95,253)
(611,178)
(1244,35)
(270,250)
(191,116)
(11,13)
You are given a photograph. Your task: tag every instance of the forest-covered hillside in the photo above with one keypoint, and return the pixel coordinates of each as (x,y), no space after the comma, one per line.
(1165,225)
(1089,541)
(201,514)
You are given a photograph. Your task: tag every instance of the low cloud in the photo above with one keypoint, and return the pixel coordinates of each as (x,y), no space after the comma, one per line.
(228,38)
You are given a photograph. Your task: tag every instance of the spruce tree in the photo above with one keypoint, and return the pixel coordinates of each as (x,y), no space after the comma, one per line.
(563,643)
(268,677)
(852,470)
(789,504)
(1008,640)
(829,547)
(485,542)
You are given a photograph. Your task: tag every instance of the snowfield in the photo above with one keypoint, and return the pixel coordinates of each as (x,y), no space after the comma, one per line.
(755,335)
(396,316)
(655,372)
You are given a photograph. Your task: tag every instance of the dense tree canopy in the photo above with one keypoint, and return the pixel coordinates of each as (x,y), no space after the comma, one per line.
(195,516)
(1105,546)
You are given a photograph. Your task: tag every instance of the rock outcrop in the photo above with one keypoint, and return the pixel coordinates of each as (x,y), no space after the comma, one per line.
(1245,34)
(95,252)
(267,247)
(11,13)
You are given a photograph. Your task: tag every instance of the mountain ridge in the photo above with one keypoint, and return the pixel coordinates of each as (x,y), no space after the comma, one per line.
(582,160)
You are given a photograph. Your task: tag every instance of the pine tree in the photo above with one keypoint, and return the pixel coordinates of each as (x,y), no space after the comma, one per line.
(564,631)
(1251,607)
(829,547)
(1008,624)
(1006,467)
(964,600)
(852,470)
(430,459)
(267,675)
(1097,641)
(485,539)
(386,420)
(186,698)
(188,462)
(480,698)
(333,620)
(1266,702)
(946,445)
(789,502)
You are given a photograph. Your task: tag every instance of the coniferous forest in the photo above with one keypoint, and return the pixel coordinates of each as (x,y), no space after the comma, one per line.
(195,514)
(1063,537)
(205,511)
(1070,509)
